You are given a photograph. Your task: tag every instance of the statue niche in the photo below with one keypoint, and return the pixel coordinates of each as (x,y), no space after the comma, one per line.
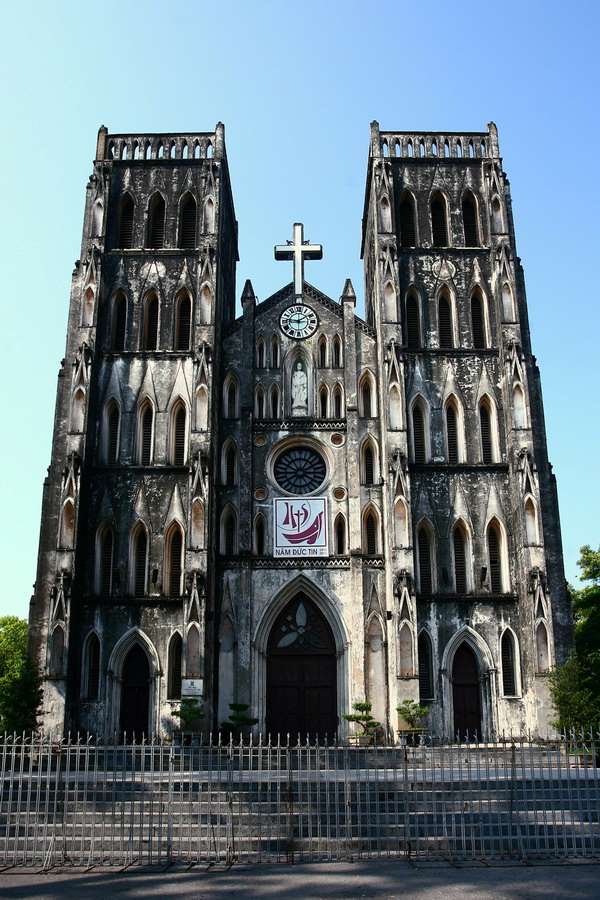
(299,390)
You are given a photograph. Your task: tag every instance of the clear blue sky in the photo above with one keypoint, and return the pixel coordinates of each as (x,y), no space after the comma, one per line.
(296,86)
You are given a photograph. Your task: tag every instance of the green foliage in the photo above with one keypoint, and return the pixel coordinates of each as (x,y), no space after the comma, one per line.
(363,718)
(575,686)
(189,714)
(412,713)
(238,718)
(20,692)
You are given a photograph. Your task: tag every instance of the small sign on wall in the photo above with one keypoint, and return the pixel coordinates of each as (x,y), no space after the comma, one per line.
(300,526)
(192,687)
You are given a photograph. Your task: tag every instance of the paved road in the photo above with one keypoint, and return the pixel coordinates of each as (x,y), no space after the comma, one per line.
(371,878)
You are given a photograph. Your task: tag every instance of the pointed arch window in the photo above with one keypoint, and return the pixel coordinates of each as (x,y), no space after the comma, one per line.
(426,693)
(183,319)
(425,560)
(187,223)
(91,667)
(140,561)
(275,353)
(323,401)
(228,533)
(418,433)
(118,323)
(368,464)
(57,652)
(112,423)
(370,533)
(146,434)
(452,434)
(413,327)
(78,410)
(494,547)
(260,403)
(274,402)
(470,225)
(156,222)
(230,465)
(439,222)
(174,561)
(459,542)
(259,535)
(485,424)
(367,404)
(508,654)
(178,434)
(193,652)
(174,667)
(126,213)
(150,329)
(339,529)
(337,352)
(405,646)
(231,398)
(105,561)
(337,402)
(322,351)
(446,336)
(477,321)
(260,354)
(408,234)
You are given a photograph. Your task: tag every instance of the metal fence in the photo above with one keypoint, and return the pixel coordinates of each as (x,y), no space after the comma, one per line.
(82,803)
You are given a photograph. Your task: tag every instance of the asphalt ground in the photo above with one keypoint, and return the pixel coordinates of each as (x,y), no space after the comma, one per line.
(367,878)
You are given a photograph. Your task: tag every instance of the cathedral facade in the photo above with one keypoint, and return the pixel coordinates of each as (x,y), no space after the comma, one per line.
(297,508)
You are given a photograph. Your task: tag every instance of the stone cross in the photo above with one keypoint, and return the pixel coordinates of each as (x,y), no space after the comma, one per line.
(298,250)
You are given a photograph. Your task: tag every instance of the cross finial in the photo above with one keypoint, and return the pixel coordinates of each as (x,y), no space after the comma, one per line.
(298,250)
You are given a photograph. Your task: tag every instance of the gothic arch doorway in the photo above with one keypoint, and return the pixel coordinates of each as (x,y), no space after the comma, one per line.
(301,672)
(135,692)
(466,692)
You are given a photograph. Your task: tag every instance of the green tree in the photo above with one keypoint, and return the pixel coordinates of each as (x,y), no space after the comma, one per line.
(20,692)
(575,686)
(363,718)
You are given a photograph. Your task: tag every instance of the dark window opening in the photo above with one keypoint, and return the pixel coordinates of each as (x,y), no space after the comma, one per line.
(469,212)
(439,225)
(156,223)
(509,681)
(408,236)
(460,561)
(413,330)
(418,434)
(187,223)
(477,324)
(425,577)
(126,223)
(445,323)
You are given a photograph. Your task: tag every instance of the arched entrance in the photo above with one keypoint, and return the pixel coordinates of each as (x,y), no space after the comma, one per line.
(135,692)
(301,672)
(466,692)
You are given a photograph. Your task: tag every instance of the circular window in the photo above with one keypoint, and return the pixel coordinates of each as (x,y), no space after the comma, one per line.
(299,470)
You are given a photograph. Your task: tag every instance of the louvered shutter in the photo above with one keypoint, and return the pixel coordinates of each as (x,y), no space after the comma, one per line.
(187,224)
(175,564)
(452,432)
(418,434)
(424,562)
(179,443)
(141,544)
(413,331)
(495,560)
(477,323)
(147,421)
(371,535)
(486,434)
(407,224)
(508,664)
(445,323)
(126,223)
(460,561)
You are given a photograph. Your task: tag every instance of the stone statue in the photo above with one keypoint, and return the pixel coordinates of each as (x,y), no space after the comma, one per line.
(299,391)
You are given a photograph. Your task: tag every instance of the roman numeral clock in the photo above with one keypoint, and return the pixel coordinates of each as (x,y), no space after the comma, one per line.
(298,321)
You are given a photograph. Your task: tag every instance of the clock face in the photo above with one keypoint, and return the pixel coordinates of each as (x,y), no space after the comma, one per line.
(299,321)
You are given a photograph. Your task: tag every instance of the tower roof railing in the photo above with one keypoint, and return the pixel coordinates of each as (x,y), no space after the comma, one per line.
(434,144)
(152,146)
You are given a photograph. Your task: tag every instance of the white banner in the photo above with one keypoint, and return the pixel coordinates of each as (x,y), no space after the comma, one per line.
(300,526)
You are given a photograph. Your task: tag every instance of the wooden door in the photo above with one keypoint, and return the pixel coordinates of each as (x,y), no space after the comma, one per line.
(135,693)
(466,693)
(301,673)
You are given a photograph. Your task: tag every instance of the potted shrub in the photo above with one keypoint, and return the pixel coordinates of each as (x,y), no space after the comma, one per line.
(239,722)
(410,719)
(190,714)
(365,721)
